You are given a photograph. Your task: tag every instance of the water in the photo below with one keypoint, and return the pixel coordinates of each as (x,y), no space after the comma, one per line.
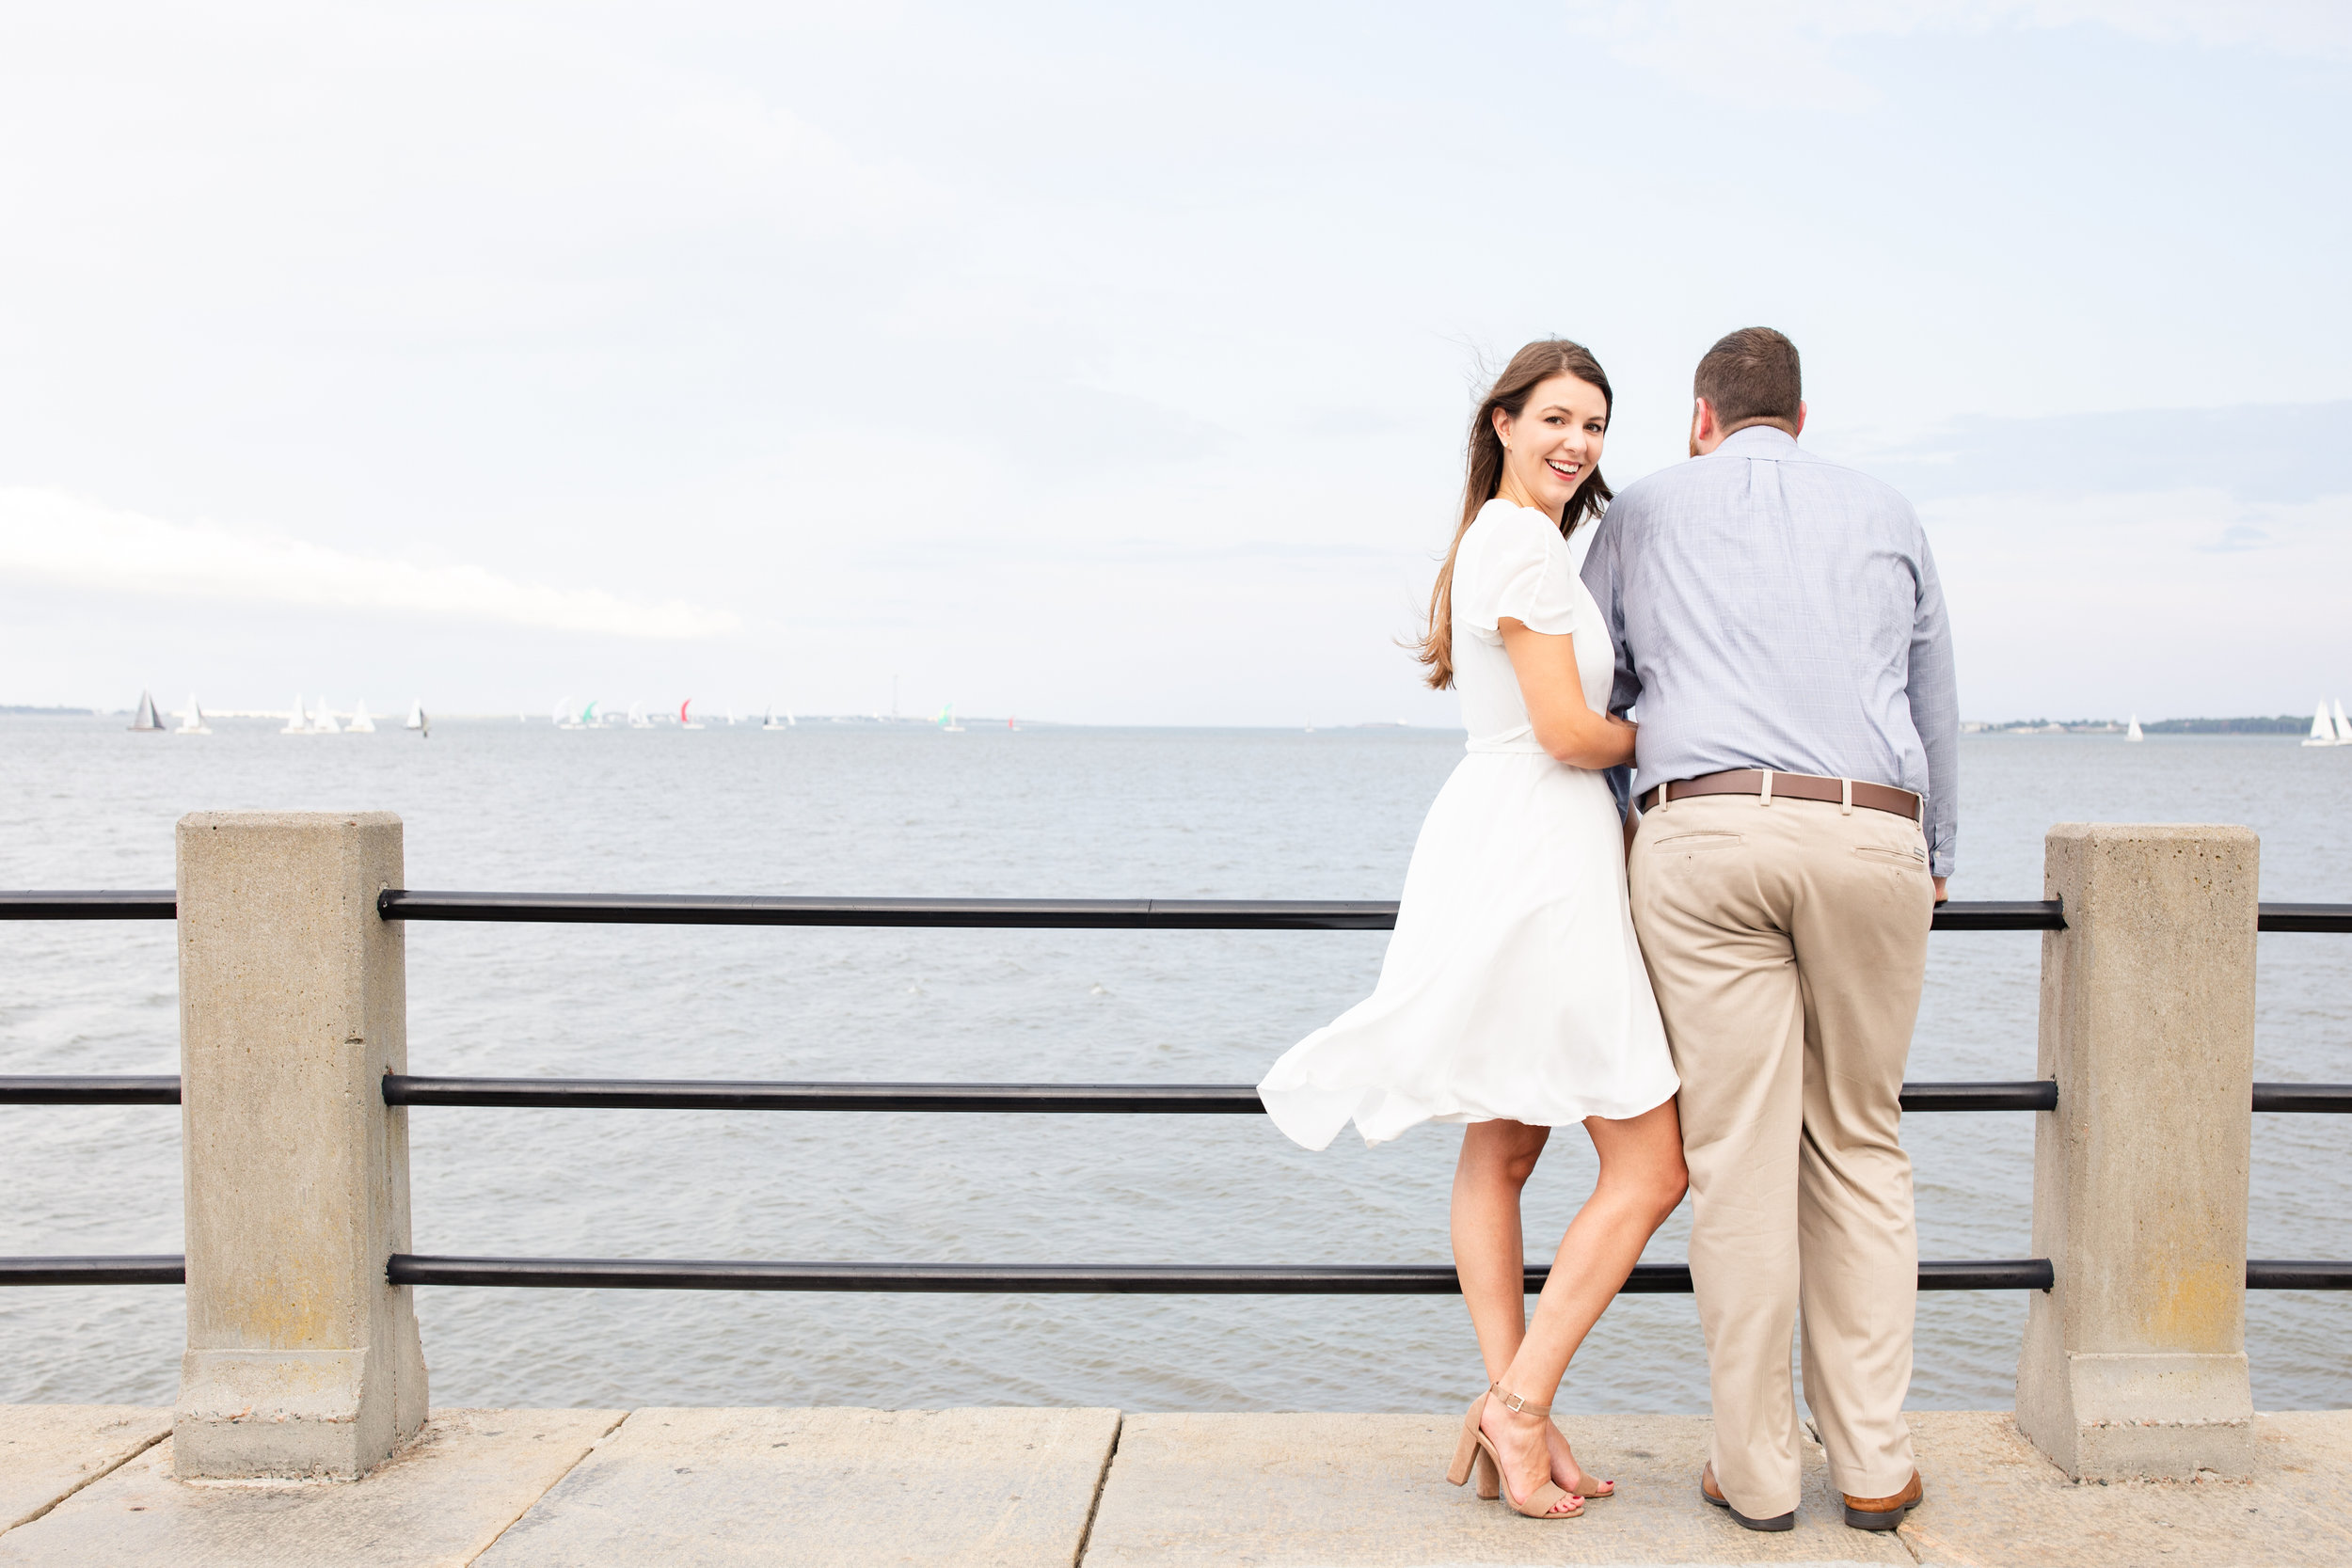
(1043,811)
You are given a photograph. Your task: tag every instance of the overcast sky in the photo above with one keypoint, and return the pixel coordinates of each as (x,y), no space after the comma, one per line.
(1110,363)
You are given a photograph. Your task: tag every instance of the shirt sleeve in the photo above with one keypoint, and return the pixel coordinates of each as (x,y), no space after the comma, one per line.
(1603,580)
(1519,571)
(1934,693)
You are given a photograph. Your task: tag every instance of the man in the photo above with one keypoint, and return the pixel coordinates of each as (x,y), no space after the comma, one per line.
(1779,621)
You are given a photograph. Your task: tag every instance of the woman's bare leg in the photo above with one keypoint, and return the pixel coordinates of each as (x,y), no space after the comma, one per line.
(1641,1180)
(1489,1253)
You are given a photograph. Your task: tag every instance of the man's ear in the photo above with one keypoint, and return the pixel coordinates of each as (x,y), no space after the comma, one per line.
(1799,430)
(1702,424)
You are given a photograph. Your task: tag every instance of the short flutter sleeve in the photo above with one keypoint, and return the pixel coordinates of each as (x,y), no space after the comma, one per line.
(1514,564)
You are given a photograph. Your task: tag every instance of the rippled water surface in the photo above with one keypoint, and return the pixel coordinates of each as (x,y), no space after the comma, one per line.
(841,810)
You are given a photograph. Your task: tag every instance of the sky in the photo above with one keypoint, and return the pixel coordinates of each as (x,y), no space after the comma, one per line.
(1111,364)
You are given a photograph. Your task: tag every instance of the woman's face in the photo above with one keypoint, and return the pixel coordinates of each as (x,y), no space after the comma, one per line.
(1554,444)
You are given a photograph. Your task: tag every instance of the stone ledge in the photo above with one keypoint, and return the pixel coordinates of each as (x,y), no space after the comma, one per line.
(721,1488)
(50,1452)
(435,1504)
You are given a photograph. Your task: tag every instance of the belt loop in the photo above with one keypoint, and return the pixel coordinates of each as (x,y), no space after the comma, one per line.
(1845,803)
(1768,786)
(1662,790)
(1922,799)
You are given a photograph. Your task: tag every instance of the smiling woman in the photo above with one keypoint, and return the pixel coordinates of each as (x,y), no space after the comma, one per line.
(1557,467)
(1513,997)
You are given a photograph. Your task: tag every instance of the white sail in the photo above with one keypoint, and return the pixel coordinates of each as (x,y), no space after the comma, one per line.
(637,719)
(147,717)
(295,723)
(323,722)
(2132,733)
(416,714)
(2343,730)
(2323,729)
(192,721)
(361,723)
(772,722)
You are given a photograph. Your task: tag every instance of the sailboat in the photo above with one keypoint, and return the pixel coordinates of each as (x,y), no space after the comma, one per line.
(295,723)
(685,723)
(192,721)
(2132,733)
(563,719)
(772,722)
(323,722)
(947,724)
(147,717)
(2323,729)
(2343,730)
(361,723)
(637,719)
(730,716)
(416,714)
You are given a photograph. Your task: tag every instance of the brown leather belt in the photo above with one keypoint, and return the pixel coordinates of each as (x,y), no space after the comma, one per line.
(1766,783)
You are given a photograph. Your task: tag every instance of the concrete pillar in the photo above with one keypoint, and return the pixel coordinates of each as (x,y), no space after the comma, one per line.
(2135,1365)
(293,1006)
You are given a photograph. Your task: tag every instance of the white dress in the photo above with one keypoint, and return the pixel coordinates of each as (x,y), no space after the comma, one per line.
(1512,988)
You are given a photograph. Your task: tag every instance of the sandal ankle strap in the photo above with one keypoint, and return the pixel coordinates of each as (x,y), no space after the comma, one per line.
(1513,1401)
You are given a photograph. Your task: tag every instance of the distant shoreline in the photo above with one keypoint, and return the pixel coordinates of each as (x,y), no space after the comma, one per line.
(2286,724)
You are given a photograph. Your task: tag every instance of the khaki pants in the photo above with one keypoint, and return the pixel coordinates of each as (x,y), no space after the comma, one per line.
(1786,943)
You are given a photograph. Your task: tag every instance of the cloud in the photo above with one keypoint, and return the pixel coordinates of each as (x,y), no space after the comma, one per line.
(2165,602)
(2254,452)
(50,536)
(1783,54)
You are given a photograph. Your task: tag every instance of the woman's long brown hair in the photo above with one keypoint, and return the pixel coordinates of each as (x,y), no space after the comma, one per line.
(1532,366)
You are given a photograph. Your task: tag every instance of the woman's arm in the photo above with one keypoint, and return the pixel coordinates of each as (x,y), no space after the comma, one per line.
(1564,725)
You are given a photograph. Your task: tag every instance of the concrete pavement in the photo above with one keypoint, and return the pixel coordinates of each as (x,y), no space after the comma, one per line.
(551,1488)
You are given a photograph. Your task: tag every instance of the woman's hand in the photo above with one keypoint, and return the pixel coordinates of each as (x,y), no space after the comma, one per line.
(1564,725)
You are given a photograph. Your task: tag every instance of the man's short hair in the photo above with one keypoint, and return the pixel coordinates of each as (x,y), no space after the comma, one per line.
(1750,376)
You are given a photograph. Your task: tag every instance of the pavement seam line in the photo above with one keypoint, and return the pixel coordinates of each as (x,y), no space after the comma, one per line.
(50,1507)
(557,1481)
(1102,1481)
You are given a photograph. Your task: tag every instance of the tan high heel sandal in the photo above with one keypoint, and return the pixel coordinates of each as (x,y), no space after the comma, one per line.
(1469,1457)
(1489,1487)
(1476,1448)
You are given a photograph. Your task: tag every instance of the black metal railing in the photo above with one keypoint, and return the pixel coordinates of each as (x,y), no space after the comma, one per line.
(1193,914)
(1082,1098)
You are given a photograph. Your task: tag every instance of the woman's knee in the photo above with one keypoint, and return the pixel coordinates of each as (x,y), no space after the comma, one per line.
(1504,1151)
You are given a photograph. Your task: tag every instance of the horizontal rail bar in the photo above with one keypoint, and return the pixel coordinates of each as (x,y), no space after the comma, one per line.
(657,1094)
(1192,914)
(646,1094)
(2031,1094)
(2275,1273)
(144,904)
(2334,1098)
(2305,917)
(1197,914)
(1339,1279)
(161,1269)
(90,1089)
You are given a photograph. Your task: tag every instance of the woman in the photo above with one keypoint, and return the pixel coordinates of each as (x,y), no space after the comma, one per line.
(1513,996)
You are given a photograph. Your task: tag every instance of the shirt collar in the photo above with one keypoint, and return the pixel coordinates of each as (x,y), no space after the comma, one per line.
(1759,440)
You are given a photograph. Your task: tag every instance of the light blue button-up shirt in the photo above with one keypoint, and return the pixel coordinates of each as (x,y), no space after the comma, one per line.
(1772,609)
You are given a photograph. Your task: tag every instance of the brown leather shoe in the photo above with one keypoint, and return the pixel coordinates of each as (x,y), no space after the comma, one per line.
(1708,1490)
(1884,1512)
